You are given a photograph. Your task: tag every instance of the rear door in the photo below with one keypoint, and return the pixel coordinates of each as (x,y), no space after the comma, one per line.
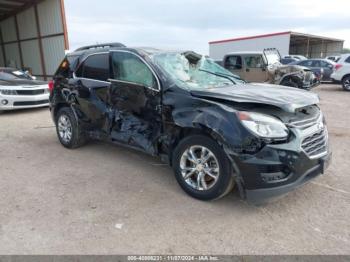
(135,102)
(91,87)
(255,68)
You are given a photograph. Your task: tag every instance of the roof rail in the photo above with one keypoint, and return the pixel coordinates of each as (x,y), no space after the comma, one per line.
(100,46)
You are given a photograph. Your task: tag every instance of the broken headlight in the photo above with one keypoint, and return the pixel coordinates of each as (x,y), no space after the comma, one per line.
(263,126)
(8,92)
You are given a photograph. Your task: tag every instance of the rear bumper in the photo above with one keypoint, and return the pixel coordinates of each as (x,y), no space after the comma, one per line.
(8,102)
(263,195)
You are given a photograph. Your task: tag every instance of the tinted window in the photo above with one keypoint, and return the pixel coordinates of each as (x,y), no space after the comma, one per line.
(307,63)
(128,67)
(95,67)
(316,63)
(347,60)
(254,61)
(325,64)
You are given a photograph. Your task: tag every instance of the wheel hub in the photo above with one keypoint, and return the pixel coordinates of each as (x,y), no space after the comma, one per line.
(199,167)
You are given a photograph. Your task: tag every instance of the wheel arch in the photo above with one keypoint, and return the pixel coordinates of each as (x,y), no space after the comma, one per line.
(183,132)
(291,76)
(345,76)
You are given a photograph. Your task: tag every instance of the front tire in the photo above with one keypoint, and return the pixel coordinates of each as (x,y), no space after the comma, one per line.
(346,83)
(202,168)
(67,128)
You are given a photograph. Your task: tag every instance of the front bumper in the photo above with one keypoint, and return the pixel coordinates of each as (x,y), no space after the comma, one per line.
(262,195)
(312,83)
(279,168)
(23,101)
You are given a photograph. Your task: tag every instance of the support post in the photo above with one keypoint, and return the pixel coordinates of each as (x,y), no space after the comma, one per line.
(41,50)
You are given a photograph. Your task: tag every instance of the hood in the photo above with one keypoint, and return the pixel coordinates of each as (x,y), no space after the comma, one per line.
(287,68)
(287,98)
(22,82)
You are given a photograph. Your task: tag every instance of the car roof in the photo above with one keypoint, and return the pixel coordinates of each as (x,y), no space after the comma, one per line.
(246,53)
(145,50)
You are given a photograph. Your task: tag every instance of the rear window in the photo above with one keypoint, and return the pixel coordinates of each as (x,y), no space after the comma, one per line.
(95,67)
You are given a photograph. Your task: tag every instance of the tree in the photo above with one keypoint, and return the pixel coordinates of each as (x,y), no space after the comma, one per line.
(346,50)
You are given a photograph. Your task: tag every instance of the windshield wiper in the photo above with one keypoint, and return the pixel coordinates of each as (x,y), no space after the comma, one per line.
(229,77)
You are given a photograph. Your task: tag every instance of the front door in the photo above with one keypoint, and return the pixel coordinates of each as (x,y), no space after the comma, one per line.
(255,68)
(234,64)
(135,99)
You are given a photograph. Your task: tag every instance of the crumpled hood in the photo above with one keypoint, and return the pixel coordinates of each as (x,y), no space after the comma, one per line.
(286,98)
(21,82)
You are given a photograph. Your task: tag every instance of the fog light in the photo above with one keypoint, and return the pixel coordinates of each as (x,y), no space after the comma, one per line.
(4,102)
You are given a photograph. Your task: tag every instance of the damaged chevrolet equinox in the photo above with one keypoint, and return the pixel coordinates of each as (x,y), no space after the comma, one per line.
(214,129)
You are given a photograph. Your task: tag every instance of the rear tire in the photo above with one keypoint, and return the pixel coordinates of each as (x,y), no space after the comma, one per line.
(68,130)
(346,83)
(204,180)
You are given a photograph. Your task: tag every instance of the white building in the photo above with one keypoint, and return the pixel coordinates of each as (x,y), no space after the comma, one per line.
(311,46)
(33,35)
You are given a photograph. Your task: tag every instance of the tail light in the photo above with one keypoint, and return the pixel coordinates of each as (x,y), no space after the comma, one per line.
(337,66)
(51,85)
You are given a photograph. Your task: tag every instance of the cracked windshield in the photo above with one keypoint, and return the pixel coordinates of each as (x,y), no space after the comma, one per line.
(193,71)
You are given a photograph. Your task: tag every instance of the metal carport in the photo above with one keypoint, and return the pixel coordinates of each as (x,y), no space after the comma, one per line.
(33,35)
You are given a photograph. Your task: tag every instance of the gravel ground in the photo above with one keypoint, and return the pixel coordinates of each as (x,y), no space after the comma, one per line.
(105,199)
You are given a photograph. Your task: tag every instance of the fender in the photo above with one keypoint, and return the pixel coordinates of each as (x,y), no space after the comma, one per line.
(295,76)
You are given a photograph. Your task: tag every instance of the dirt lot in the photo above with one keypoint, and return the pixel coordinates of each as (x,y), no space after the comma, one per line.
(105,199)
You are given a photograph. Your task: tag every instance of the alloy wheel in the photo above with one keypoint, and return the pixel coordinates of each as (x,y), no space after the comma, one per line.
(65,128)
(199,168)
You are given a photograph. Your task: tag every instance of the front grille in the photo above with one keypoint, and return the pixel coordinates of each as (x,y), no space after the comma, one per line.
(31,103)
(306,123)
(315,144)
(30,92)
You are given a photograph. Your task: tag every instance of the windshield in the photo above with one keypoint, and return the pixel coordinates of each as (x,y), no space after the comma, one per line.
(193,71)
(272,56)
(14,75)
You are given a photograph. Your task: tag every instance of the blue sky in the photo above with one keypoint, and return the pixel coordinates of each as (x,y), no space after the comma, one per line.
(191,24)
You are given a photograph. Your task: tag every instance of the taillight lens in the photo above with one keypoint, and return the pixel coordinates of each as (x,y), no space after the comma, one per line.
(337,66)
(51,85)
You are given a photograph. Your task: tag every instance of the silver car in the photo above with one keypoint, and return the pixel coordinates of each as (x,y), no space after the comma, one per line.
(20,90)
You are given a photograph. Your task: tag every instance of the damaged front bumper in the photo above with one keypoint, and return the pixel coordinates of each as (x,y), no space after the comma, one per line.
(312,82)
(278,169)
(262,195)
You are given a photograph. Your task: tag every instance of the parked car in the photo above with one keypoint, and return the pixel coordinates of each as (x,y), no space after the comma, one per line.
(323,67)
(265,67)
(286,61)
(214,129)
(298,57)
(20,90)
(333,58)
(342,72)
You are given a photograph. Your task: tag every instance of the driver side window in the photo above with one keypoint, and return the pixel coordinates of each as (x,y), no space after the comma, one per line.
(128,67)
(233,62)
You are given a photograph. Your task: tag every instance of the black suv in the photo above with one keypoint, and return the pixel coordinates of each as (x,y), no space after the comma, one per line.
(214,129)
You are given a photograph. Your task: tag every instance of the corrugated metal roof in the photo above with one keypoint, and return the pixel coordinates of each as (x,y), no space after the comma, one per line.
(276,34)
(11,7)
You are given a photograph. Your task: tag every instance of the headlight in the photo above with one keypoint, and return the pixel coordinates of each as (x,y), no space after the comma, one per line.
(8,92)
(263,125)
